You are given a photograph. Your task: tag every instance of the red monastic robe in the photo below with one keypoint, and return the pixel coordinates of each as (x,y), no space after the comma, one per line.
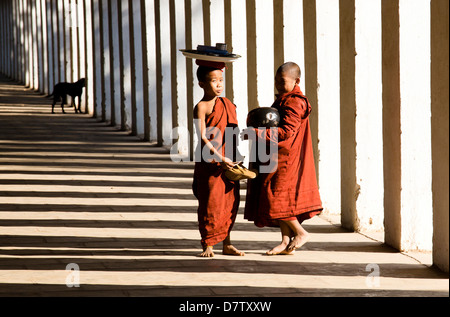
(291,190)
(218,197)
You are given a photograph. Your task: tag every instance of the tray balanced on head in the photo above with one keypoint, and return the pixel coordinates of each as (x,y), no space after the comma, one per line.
(216,53)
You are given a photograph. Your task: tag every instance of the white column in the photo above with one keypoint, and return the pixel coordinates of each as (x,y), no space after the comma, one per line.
(45,67)
(217,22)
(34,52)
(440,130)
(138,81)
(89,96)
(2,37)
(179,80)
(237,84)
(74,29)
(27,54)
(81,48)
(117,92)
(328,94)
(197,38)
(166,85)
(369,106)
(126,64)
(55,47)
(106,103)
(264,53)
(416,209)
(67,22)
(15,42)
(151,63)
(294,45)
(49,48)
(21,30)
(61,44)
(97,59)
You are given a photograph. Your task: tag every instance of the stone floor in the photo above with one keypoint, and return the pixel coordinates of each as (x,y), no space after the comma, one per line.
(83,204)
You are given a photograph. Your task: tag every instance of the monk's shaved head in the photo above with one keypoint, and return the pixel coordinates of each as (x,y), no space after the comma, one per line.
(290,68)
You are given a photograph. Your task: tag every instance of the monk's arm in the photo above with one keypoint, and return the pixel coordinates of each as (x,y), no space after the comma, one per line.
(294,109)
(200,114)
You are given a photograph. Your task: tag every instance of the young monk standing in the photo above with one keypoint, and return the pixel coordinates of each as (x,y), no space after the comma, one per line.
(218,197)
(289,195)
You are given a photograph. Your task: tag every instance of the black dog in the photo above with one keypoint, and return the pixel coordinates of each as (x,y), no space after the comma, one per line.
(61,91)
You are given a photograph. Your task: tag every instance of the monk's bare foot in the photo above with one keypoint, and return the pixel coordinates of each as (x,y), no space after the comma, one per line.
(231,250)
(207,253)
(278,249)
(297,242)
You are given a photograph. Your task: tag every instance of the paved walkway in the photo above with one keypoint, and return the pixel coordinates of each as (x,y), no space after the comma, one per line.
(76,193)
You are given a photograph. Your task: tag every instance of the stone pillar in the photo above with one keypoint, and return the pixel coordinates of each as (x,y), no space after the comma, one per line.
(34,44)
(106,61)
(38,42)
(67,21)
(328,94)
(3,45)
(117,69)
(90,75)
(194,37)
(145,75)
(20,33)
(164,81)
(81,27)
(439,130)
(61,41)
(74,29)
(264,53)
(180,135)
(310,73)
(293,36)
(126,64)
(349,188)
(26,39)
(391,123)
(236,74)
(13,39)
(137,73)
(151,65)
(361,116)
(44,51)
(216,21)
(49,47)
(97,52)
(56,52)
(369,134)
(416,202)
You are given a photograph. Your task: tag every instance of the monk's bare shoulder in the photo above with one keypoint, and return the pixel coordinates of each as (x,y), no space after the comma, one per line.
(202,109)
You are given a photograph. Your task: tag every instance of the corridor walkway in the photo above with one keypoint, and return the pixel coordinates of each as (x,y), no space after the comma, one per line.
(76,193)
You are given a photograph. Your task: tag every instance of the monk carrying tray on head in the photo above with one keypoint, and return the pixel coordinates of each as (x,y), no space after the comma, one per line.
(287,195)
(218,197)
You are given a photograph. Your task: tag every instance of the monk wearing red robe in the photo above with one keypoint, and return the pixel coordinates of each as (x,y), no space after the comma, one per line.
(289,194)
(218,197)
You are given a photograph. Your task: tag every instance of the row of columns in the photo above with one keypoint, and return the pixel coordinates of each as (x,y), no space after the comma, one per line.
(379,104)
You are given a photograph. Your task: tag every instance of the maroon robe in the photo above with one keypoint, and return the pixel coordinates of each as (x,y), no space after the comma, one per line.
(218,197)
(291,190)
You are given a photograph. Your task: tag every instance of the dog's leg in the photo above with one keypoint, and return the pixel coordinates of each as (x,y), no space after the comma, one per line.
(79,104)
(73,104)
(53,105)
(64,100)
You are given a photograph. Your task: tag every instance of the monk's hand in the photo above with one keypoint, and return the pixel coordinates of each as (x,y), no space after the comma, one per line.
(227,164)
